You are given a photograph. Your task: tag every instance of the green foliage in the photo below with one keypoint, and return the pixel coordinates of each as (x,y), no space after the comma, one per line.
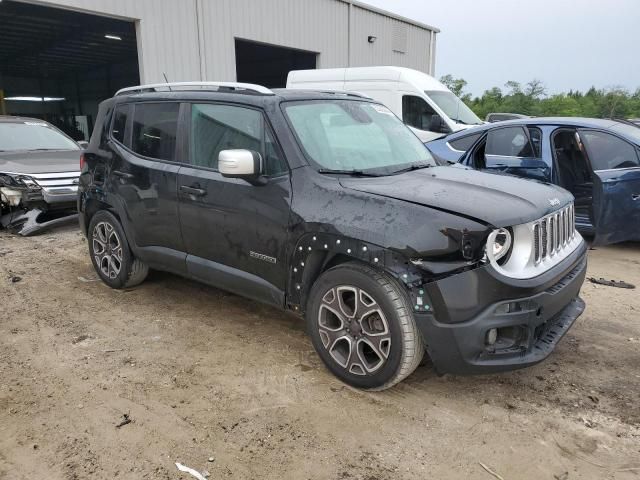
(532,99)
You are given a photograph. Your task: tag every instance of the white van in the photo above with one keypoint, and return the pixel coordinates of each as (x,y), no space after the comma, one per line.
(421,101)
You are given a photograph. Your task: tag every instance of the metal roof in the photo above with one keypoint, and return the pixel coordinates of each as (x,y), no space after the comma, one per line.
(386,13)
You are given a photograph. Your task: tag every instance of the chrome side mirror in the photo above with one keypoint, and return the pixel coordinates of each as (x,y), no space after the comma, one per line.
(245,164)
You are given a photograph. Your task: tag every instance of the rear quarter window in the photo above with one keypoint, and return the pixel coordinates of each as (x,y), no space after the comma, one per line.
(465,143)
(155,128)
(119,126)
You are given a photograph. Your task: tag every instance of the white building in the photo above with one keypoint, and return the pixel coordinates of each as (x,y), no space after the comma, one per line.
(82,51)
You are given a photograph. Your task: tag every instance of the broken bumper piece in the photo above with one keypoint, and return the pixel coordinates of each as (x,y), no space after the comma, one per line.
(34,221)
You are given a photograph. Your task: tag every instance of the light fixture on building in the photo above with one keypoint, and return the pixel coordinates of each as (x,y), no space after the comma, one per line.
(372,39)
(35,99)
(113,37)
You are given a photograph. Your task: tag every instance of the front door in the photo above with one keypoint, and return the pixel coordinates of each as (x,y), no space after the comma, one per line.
(574,173)
(235,233)
(513,150)
(616,186)
(142,178)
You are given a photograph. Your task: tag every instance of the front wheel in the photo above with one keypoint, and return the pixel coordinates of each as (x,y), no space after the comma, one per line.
(362,326)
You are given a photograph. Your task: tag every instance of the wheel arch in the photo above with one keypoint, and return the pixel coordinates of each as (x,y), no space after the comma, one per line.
(91,207)
(315,253)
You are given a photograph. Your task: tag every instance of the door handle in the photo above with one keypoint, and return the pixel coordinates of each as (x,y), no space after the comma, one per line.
(198,192)
(635,196)
(126,176)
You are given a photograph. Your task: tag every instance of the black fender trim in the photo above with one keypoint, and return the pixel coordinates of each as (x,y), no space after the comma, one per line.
(314,252)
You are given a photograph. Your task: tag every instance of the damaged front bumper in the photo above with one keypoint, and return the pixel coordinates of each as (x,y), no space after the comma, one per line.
(482,322)
(28,208)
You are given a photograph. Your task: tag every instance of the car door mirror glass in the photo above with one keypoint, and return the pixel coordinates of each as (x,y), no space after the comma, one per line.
(83,144)
(239,163)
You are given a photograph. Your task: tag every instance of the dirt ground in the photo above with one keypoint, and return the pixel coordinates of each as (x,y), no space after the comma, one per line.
(234,388)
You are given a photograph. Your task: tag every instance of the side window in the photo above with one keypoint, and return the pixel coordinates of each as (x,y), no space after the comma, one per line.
(536,141)
(120,117)
(416,112)
(608,152)
(508,142)
(155,127)
(274,165)
(224,127)
(465,143)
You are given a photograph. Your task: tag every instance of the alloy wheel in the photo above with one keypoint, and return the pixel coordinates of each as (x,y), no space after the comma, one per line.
(107,249)
(354,330)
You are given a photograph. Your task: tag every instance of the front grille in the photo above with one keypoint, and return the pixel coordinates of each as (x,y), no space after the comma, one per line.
(57,183)
(553,233)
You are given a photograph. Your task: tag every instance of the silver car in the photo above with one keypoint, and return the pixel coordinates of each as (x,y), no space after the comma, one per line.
(39,171)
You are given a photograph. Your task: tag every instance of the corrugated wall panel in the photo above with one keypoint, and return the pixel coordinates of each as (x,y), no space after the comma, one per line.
(366,23)
(167,32)
(315,25)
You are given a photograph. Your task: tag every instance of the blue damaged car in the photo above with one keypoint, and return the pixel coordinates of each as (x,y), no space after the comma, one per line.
(598,161)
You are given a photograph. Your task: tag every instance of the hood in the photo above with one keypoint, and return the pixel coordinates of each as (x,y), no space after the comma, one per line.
(53,161)
(498,200)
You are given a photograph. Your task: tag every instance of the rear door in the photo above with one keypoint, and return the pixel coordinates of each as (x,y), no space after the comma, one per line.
(142,179)
(515,150)
(616,186)
(235,232)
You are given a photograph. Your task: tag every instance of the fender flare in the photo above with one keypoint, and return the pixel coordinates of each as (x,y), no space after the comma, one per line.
(315,252)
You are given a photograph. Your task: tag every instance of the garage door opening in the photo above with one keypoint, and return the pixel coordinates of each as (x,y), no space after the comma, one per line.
(58,65)
(269,65)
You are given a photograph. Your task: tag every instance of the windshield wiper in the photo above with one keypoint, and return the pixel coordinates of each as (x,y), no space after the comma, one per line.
(355,173)
(415,166)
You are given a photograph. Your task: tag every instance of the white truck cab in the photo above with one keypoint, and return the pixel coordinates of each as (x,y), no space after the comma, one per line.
(422,102)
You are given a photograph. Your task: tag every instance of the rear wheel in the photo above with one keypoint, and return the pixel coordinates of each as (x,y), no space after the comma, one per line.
(110,253)
(362,327)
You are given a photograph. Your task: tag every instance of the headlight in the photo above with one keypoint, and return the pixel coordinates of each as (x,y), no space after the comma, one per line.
(499,243)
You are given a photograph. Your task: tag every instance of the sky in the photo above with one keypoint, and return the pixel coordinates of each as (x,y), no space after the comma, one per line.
(568,44)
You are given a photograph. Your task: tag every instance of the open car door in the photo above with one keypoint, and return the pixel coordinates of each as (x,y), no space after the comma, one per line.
(616,186)
(510,150)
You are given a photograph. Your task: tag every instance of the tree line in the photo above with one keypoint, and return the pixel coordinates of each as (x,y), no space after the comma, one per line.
(533,99)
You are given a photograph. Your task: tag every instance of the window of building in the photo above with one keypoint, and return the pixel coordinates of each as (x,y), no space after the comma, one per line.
(155,127)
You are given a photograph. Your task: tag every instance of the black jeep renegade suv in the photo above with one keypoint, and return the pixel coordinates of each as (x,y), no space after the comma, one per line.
(327,205)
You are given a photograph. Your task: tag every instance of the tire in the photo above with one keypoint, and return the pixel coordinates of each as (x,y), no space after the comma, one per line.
(362,326)
(110,253)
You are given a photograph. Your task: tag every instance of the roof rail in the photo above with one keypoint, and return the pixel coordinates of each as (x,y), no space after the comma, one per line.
(345,93)
(216,86)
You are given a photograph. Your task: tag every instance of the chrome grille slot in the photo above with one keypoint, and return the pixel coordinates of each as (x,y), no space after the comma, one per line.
(537,239)
(63,183)
(553,233)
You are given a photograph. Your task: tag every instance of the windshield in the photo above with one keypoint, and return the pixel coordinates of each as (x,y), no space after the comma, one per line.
(349,135)
(25,136)
(453,107)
